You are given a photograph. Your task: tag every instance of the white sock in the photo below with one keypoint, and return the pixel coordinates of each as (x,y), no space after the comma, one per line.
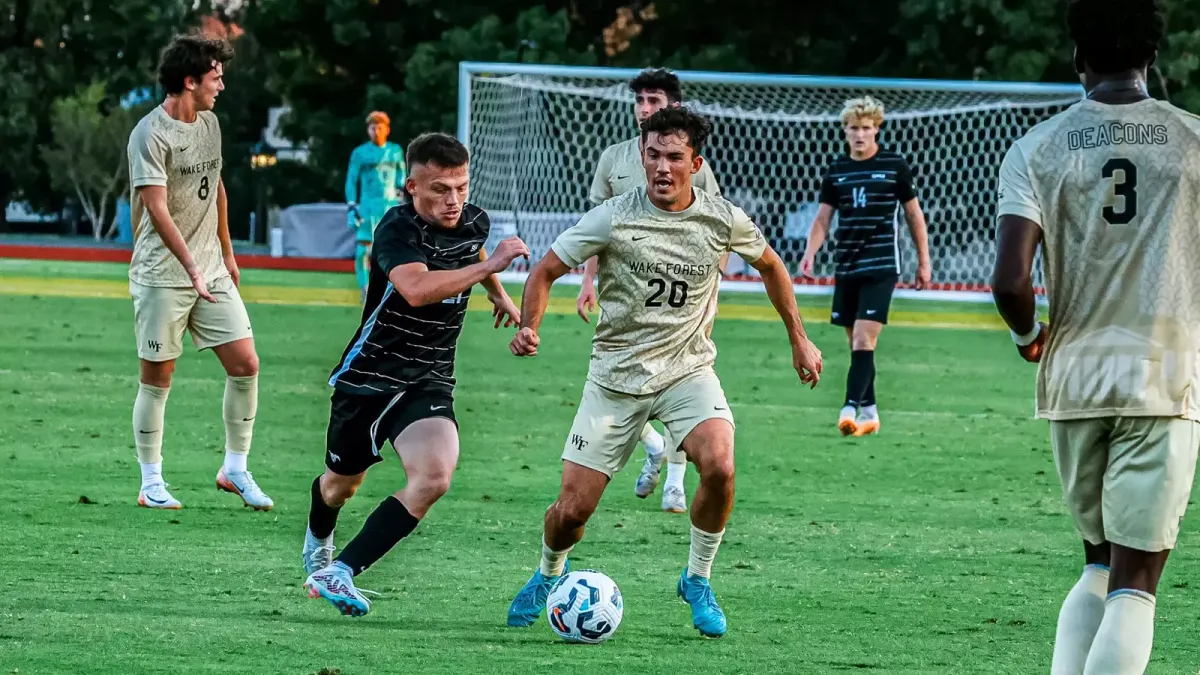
(675,473)
(149,409)
(653,441)
(553,561)
(869,412)
(235,461)
(1126,635)
(238,410)
(702,552)
(1078,620)
(151,473)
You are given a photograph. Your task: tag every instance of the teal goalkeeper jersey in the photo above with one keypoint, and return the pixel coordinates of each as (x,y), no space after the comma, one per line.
(373,181)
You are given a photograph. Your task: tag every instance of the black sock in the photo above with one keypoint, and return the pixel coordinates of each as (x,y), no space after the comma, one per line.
(862,372)
(869,397)
(322,518)
(385,527)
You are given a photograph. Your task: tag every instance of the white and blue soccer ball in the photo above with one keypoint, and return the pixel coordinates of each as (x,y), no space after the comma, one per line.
(584,606)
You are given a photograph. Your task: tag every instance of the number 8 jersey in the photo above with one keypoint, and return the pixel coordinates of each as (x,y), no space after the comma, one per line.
(657,281)
(186,159)
(1116,190)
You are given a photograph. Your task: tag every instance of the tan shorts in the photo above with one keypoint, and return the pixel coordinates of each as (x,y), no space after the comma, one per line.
(609,424)
(160,316)
(1127,480)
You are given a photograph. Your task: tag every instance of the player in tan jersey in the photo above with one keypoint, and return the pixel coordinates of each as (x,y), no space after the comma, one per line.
(619,171)
(652,357)
(1110,189)
(183,275)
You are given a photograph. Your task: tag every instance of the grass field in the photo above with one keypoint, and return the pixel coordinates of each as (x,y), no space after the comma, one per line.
(939,546)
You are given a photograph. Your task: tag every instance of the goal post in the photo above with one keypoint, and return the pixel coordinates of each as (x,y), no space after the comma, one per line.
(536,133)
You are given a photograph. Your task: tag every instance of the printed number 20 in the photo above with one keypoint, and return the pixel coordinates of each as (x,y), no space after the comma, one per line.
(203,192)
(1126,190)
(676,298)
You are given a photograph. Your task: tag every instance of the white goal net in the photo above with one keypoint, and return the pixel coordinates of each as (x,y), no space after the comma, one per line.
(536,132)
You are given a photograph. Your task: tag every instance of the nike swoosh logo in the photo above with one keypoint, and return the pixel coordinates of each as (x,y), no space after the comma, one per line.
(184,148)
(718,407)
(640,238)
(247,419)
(436,407)
(146,432)
(152,499)
(622,177)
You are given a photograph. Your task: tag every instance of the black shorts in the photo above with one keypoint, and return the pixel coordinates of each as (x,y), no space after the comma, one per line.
(359,424)
(865,298)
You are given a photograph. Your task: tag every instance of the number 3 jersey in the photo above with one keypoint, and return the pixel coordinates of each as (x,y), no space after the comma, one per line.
(1116,190)
(658,279)
(185,158)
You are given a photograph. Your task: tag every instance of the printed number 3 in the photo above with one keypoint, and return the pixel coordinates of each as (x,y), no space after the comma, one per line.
(1126,190)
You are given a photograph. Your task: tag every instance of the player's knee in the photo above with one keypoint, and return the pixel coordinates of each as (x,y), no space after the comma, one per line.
(337,492)
(157,373)
(431,485)
(245,367)
(572,511)
(717,467)
(864,340)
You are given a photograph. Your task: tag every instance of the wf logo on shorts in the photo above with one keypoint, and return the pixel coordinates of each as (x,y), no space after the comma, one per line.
(578,442)
(155,345)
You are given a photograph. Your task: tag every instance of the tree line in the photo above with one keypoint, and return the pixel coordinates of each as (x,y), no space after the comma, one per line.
(70,67)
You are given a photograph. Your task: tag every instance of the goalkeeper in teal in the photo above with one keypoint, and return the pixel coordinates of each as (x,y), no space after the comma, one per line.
(373,183)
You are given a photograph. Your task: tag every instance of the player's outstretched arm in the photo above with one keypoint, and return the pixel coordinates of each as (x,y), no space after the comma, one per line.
(920,236)
(154,198)
(420,286)
(1017,242)
(806,358)
(503,308)
(816,237)
(534,299)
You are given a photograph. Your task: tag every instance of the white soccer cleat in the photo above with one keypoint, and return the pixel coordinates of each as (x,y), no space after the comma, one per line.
(318,553)
(647,480)
(155,496)
(847,420)
(242,484)
(335,583)
(867,421)
(674,500)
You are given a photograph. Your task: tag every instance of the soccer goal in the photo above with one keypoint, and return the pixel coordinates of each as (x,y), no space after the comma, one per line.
(536,132)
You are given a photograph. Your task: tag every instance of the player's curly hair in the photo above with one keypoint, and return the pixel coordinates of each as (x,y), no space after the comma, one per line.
(676,120)
(1112,36)
(379,117)
(858,108)
(439,149)
(659,79)
(190,56)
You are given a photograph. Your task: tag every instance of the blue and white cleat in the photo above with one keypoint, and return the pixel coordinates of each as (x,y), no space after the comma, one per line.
(531,600)
(707,616)
(656,453)
(318,553)
(335,583)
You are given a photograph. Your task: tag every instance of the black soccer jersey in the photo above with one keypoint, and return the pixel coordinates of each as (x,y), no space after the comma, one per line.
(867,195)
(398,345)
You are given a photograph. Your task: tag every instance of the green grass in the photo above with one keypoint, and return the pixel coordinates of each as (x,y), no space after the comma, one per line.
(939,546)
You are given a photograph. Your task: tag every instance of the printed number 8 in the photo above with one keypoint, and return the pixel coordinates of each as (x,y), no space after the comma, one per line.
(203,193)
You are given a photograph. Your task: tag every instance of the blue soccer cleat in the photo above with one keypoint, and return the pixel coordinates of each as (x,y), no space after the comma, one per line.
(531,601)
(707,616)
(335,583)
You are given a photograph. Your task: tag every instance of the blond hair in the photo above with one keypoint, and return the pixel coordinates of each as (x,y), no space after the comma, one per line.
(867,107)
(379,117)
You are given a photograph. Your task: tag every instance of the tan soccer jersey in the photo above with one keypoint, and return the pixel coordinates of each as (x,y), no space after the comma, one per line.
(1116,189)
(658,279)
(186,158)
(620,170)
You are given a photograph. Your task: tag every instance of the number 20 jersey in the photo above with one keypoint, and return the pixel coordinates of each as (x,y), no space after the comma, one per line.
(657,280)
(1116,190)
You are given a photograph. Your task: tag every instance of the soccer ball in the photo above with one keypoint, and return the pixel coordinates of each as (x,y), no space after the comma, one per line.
(584,606)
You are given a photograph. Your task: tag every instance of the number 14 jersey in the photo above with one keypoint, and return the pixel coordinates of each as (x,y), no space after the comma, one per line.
(657,282)
(1116,190)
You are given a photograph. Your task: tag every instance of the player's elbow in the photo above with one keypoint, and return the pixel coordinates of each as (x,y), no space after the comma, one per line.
(1008,286)
(410,287)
